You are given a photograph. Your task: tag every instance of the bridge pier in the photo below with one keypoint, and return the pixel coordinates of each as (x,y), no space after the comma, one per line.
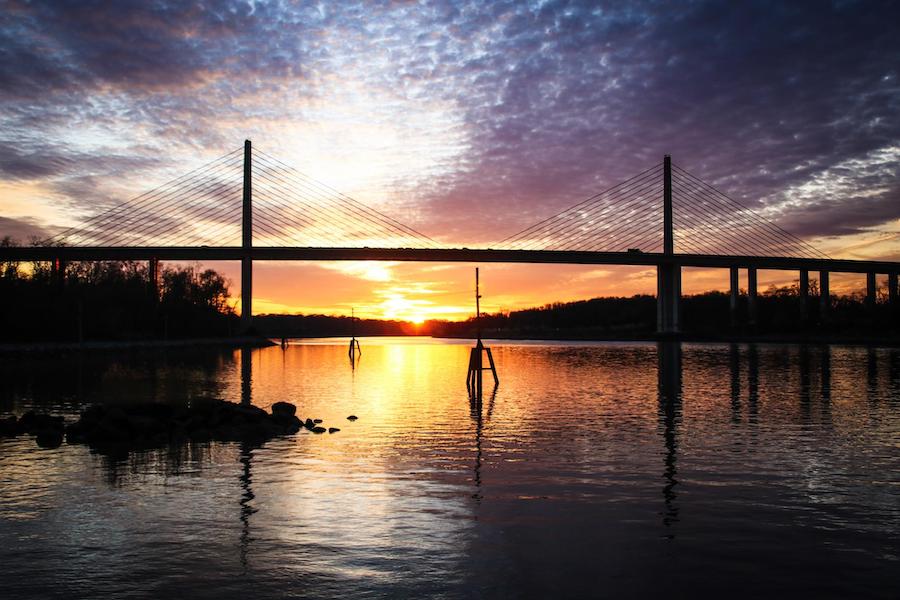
(804,295)
(668,274)
(668,298)
(824,296)
(153,277)
(870,290)
(751,297)
(734,295)
(58,272)
(892,289)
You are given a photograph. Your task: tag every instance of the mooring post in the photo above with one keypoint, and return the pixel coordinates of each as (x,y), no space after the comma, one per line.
(354,343)
(804,295)
(751,296)
(479,347)
(734,294)
(247,244)
(870,290)
(474,379)
(824,296)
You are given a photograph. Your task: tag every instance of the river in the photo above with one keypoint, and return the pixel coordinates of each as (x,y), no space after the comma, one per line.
(593,470)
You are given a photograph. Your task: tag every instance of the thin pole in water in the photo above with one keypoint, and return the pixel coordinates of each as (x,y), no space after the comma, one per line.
(476,356)
(354,343)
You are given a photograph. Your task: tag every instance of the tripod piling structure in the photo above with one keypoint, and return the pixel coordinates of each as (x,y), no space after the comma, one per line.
(476,357)
(354,343)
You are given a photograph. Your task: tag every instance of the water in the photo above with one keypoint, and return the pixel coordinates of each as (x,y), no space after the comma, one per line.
(596,470)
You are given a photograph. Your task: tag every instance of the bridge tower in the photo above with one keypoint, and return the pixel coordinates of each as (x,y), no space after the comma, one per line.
(247,244)
(668,274)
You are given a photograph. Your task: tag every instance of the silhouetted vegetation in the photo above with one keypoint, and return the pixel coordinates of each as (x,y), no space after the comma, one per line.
(110,300)
(326,326)
(779,311)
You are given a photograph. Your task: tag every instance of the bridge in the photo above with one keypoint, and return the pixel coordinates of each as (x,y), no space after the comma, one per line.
(248,205)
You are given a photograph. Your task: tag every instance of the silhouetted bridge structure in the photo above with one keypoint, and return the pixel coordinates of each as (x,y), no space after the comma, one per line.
(248,206)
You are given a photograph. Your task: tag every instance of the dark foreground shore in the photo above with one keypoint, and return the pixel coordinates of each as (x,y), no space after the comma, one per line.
(118,429)
(240,341)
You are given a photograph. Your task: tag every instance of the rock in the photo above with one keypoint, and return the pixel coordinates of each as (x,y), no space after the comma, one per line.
(318,430)
(289,423)
(317,420)
(309,424)
(49,438)
(149,425)
(32,422)
(352,418)
(9,427)
(284,408)
(333,430)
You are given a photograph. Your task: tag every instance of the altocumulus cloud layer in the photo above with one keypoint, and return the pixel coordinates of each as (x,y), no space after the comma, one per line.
(467,120)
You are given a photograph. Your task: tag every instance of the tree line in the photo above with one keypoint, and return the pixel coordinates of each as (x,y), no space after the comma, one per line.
(111,300)
(780,310)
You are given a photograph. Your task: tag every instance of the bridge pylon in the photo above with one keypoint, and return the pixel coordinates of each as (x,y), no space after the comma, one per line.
(247,242)
(668,274)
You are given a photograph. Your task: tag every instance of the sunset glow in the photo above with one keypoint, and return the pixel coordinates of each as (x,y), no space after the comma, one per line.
(448,120)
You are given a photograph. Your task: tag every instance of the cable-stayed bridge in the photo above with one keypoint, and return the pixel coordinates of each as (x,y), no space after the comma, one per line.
(248,205)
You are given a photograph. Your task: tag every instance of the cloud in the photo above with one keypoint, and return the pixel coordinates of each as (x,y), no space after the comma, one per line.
(468,120)
(22,230)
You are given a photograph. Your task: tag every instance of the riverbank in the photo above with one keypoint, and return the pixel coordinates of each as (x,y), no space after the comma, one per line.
(49,347)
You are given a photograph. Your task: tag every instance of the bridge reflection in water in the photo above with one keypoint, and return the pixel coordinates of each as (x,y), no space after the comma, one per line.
(588,454)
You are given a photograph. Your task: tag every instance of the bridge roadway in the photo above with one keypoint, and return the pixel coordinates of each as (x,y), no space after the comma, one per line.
(473,255)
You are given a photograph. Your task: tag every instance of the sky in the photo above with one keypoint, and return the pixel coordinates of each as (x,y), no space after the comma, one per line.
(467,121)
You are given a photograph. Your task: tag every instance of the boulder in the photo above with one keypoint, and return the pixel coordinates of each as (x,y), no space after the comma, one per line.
(49,438)
(153,425)
(318,430)
(9,426)
(284,408)
(333,430)
(352,418)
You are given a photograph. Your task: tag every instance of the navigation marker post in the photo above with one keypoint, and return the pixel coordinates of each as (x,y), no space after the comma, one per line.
(476,356)
(354,343)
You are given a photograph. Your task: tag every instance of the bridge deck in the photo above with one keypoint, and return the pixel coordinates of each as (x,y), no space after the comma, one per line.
(473,255)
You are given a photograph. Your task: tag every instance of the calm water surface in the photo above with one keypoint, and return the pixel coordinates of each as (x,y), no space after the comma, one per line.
(595,470)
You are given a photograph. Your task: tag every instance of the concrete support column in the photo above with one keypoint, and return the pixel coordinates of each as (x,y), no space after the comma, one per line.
(824,296)
(892,289)
(246,292)
(153,277)
(751,296)
(870,290)
(734,295)
(668,298)
(804,295)
(58,272)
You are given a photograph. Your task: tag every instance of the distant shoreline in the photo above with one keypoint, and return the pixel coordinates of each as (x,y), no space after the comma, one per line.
(839,339)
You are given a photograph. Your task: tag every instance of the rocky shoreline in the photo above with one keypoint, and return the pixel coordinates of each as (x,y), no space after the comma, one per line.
(151,425)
